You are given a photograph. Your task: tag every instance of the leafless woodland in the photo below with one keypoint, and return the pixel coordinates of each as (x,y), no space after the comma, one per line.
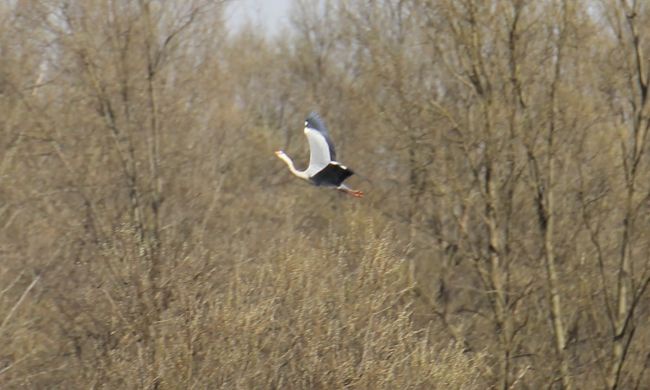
(149,238)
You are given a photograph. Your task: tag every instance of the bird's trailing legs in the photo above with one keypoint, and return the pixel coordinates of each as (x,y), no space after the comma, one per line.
(347,190)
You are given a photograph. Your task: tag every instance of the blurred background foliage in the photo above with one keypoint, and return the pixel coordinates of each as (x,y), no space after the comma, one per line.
(150,239)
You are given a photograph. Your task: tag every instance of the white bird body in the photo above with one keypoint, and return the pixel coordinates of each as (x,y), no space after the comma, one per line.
(323,169)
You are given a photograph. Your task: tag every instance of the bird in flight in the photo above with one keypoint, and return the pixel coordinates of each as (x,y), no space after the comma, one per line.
(323,169)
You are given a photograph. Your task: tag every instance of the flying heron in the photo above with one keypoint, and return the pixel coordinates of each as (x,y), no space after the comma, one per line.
(323,169)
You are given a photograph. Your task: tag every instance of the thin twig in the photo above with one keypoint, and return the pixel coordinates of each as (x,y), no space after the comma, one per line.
(20,300)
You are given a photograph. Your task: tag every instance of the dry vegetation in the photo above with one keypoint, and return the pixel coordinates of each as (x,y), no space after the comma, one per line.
(150,239)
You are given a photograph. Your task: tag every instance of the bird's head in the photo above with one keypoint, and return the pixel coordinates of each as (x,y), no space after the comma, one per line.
(282,156)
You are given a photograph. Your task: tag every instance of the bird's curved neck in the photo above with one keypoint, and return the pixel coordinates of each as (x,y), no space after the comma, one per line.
(292,168)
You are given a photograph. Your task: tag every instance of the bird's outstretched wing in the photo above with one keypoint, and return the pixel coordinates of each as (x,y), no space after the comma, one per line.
(315,122)
(321,148)
(332,175)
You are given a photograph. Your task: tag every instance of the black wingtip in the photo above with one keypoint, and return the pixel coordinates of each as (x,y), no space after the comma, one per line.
(315,121)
